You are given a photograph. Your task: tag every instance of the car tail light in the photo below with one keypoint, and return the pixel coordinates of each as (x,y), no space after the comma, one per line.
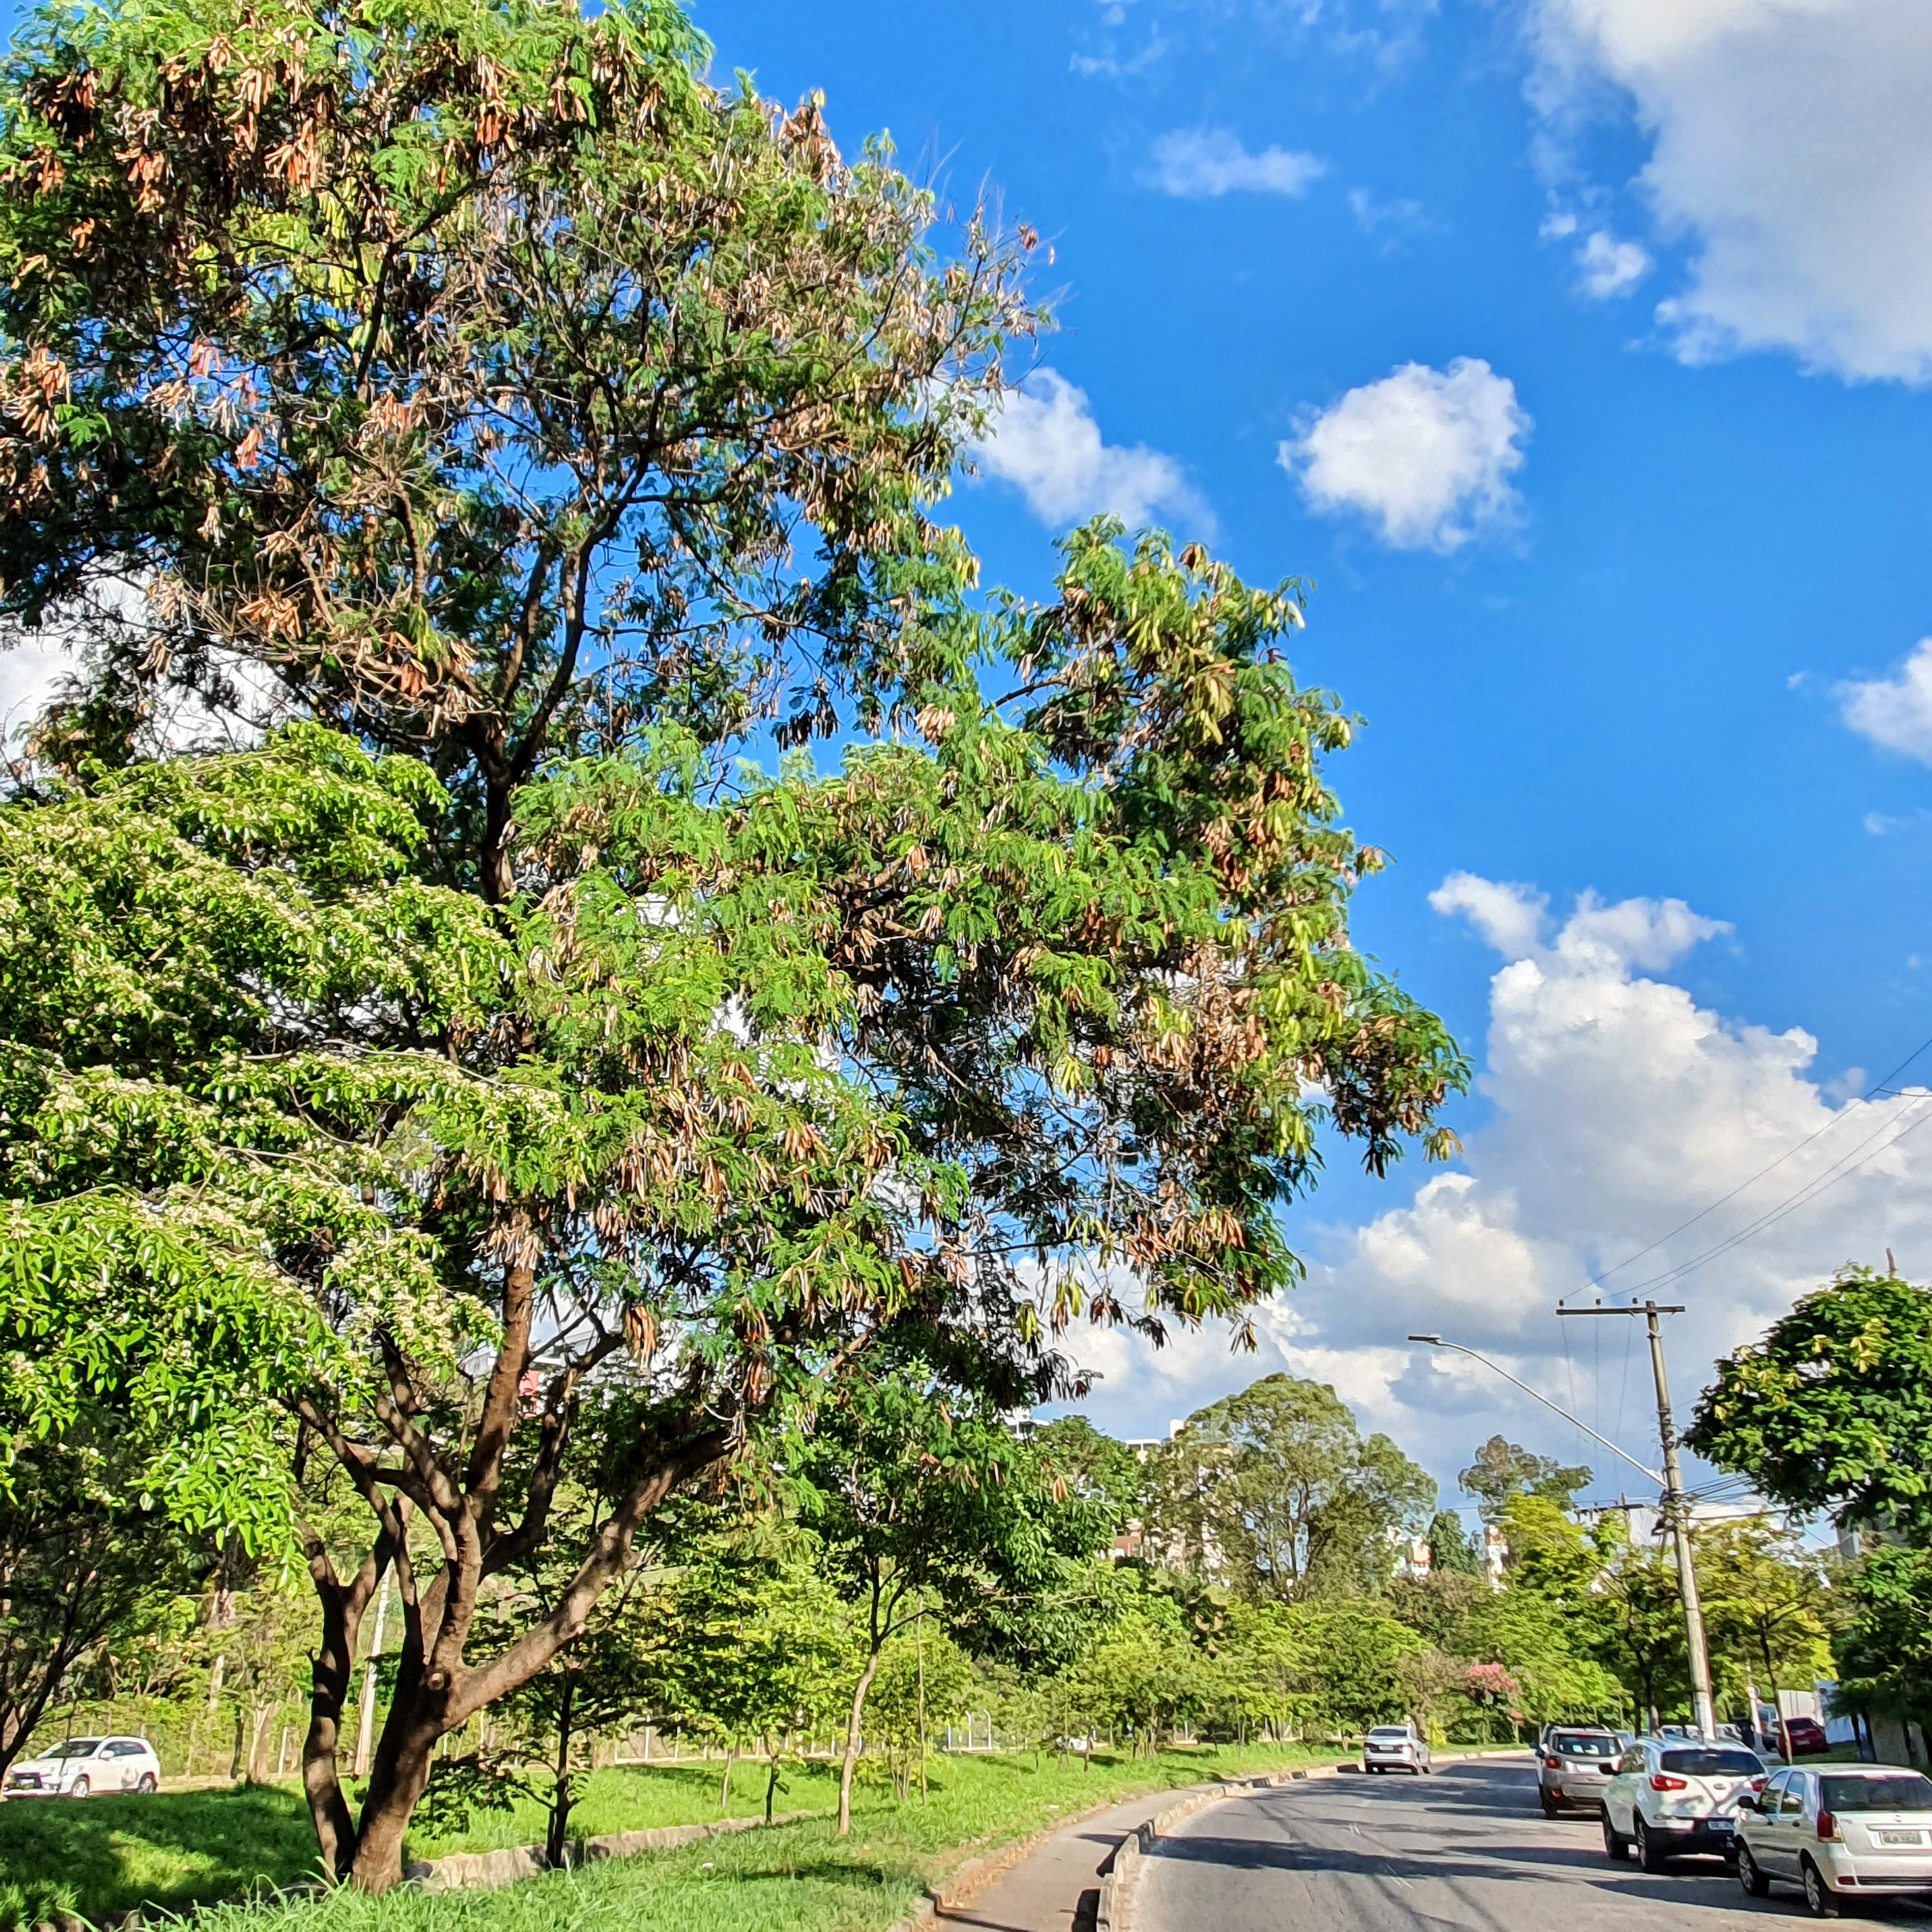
(1662,1781)
(1759,1783)
(1827,1827)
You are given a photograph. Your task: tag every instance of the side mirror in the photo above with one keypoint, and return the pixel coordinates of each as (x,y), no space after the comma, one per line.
(1747,1803)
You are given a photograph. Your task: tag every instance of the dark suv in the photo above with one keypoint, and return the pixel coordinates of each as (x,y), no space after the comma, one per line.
(1574,1763)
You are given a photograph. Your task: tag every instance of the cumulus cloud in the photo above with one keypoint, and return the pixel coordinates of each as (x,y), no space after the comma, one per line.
(1198,164)
(1790,145)
(1425,454)
(1895,712)
(1046,443)
(1611,268)
(1620,1109)
(31,666)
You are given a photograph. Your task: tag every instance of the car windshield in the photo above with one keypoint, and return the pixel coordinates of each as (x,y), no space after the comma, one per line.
(1711,1763)
(1386,1731)
(76,1747)
(1574,1744)
(1903,1791)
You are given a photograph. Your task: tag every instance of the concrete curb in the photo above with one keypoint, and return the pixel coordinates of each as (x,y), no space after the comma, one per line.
(949,1893)
(460,1870)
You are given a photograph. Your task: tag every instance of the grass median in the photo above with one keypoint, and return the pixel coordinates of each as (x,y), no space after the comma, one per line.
(109,1856)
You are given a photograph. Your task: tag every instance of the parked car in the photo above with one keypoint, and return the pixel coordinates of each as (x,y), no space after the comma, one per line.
(1669,1798)
(88,1768)
(1574,1764)
(1855,1831)
(1396,1747)
(1807,1737)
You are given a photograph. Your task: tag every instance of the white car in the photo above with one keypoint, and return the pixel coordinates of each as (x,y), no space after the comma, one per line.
(1670,1796)
(1396,1747)
(1858,1831)
(88,1768)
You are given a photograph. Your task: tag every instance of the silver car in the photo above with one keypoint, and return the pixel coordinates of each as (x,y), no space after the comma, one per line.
(88,1768)
(1573,1765)
(1396,1747)
(1843,1832)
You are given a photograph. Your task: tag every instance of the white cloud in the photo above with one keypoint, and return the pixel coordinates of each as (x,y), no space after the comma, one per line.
(1610,267)
(1046,442)
(1620,1108)
(1427,453)
(1895,712)
(1198,164)
(1790,145)
(32,663)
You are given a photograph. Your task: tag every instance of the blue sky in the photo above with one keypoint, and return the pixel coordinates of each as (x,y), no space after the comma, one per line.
(1599,571)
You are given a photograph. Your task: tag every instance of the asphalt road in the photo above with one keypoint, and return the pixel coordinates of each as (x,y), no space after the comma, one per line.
(1467,1848)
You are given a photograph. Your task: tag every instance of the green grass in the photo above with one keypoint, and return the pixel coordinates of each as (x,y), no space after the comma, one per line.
(178,1849)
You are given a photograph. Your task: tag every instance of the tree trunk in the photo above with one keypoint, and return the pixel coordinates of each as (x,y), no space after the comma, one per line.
(724,1783)
(851,1758)
(258,1743)
(499,881)
(560,1794)
(329,1673)
(771,1778)
(401,1771)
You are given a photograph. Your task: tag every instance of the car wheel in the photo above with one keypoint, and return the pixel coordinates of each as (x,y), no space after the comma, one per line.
(1615,1843)
(147,1787)
(1650,1854)
(81,1788)
(1549,1805)
(1755,1884)
(1820,1900)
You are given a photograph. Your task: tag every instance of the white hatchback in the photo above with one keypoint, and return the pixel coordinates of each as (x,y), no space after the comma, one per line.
(1855,1831)
(88,1768)
(1670,1797)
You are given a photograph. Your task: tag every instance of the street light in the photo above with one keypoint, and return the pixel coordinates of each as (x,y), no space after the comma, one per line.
(1673,1501)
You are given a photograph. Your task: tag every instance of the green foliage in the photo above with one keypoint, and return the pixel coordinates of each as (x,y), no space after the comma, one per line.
(1097,1468)
(1453,1552)
(1884,1652)
(1276,1492)
(1503,1469)
(1767,1607)
(1832,1410)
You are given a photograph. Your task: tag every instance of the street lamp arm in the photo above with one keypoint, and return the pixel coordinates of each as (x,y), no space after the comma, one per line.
(1437,1342)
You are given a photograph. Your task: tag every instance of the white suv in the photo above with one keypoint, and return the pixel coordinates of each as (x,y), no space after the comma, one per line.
(88,1768)
(1864,1831)
(1671,1795)
(1395,1747)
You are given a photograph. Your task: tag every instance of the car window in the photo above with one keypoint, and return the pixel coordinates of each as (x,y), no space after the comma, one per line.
(1773,1791)
(1578,1744)
(1793,1799)
(76,1747)
(1902,1791)
(1633,1760)
(1389,1731)
(1711,1761)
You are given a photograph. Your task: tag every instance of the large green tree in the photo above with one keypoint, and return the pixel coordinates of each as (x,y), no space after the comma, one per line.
(473,373)
(1503,1469)
(1276,1491)
(1832,1410)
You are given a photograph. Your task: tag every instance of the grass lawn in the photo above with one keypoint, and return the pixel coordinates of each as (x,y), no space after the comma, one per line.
(110,1854)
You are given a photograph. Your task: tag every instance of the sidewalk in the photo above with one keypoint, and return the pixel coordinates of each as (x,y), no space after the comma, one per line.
(1056,1886)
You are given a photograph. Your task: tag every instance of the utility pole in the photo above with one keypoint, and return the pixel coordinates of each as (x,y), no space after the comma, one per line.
(1676,1509)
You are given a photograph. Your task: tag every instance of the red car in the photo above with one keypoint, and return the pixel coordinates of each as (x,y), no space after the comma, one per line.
(1806,1737)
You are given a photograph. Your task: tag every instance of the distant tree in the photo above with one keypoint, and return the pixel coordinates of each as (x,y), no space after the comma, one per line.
(85,1567)
(1632,1622)
(1884,1650)
(1766,1604)
(925,1679)
(1098,1467)
(1275,1491)
(1832,1410)
(1435,1607)
(754,1646)
(918,1498)
(1503,1469)
(1142,1676)
(1452,1550)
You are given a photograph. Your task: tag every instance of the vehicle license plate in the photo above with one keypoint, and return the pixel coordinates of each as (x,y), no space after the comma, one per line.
(1900,1837)
(1720,1824)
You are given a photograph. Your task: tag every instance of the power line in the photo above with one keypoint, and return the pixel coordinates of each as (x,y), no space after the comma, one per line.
(1803,1198)
(1881,1089)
